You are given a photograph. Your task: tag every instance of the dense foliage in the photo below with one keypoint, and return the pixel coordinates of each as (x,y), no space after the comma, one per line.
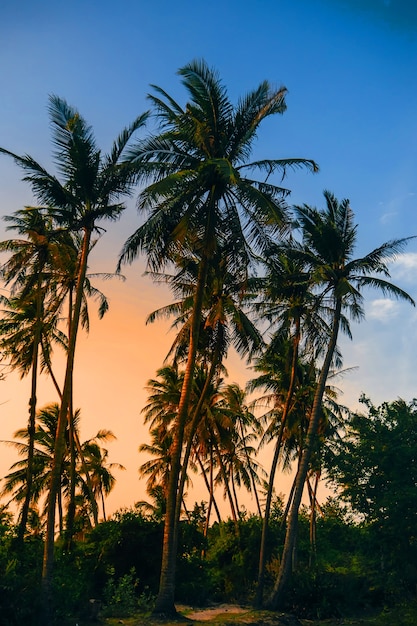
(115,570)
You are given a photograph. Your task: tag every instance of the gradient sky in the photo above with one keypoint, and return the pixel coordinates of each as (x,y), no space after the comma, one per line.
(350,69)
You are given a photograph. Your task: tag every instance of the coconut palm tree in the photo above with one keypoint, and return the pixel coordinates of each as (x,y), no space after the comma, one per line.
(201,195)
(247,429)
(29,323)
(99,470)
(88,193)
(94,461)
(44,444)
(329,238)
(224,323)
(292,309)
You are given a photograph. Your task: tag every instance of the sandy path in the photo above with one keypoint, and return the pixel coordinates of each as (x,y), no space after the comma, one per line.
(209,613)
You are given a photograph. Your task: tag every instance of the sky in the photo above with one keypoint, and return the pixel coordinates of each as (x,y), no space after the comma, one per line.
(350,70)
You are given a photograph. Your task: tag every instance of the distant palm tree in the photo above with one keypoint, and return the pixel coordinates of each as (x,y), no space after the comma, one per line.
(246,430)
(98,468)
(29,323)
(292,309)
(329,238)
(44,444)
(94,461)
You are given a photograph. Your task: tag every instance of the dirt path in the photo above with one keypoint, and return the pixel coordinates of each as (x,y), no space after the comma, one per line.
(209,613)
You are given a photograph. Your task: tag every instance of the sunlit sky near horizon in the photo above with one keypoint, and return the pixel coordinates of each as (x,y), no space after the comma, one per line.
(350,67)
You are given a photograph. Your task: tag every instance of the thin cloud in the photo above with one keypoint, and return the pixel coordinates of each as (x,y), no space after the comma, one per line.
(405,267)
(388,217)
(383,310)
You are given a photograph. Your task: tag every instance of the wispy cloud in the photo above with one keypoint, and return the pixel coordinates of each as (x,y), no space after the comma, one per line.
(383,310)
(405,267)
(388,217)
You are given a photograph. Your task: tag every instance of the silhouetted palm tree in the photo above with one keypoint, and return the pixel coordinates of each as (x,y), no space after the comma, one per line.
(202,195)
(329,238)
(89,193)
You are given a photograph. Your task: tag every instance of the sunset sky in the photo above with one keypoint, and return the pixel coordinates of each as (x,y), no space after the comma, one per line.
(350,67)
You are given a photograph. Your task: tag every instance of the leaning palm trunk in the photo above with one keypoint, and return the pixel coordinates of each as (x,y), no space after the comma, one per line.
(193,427)
(226,483)
(89,484)
(312,491)
(48,557)
(210,488)
(284,417)
(291,533)
(69,529)
(166,595)
(80,453)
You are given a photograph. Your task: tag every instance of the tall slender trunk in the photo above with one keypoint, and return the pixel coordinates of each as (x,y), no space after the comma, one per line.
(166,594)
(210,487)
(71,503)
(234,492)
(290,536)
(252,472)
(48,556)
(196,418)
(225,481)
(284,417)
(32,412)
(312,491)
(290,496)
(69,529)
(81,456)
(103,504)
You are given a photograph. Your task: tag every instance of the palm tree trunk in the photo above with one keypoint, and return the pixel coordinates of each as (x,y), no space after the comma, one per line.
(284,417)
(290,536)
(209,485)
(69,530)
(52,375)
(48,556)
(290,499)
(71,503)
(236,501)
(313,517)
(103,505)
(166,594)
(252,472)
(32,415)
(193,426)
(226,483)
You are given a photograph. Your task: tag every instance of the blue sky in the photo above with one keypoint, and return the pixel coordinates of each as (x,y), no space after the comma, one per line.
(350,69)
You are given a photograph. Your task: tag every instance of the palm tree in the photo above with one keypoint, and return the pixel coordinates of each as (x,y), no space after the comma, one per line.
(29,323)
(293,311)
(329,238)
(224,322)
(246,430)
(89,193)
(94,461)
(199,198)
(157,469)
(44,444)
(97,468)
